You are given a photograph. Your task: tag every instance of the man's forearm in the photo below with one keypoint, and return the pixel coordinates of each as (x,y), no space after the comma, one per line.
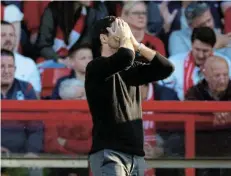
(146,52)
(126,43)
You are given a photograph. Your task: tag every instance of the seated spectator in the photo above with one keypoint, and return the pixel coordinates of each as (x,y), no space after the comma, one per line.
(72,89)
(135,14)
(215,87)
(154,91)
(63,25)
(18,137)
(26,68)
(13,15)
(226,10)
(188,65)
(79,57)
(197,15)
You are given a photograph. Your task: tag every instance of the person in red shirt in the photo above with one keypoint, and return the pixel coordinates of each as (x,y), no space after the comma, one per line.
(135,14)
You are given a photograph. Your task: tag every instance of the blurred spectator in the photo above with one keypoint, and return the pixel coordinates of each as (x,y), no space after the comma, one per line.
(188,65)
(73,137)
(197,15)
(72,89)
(154,91)
(215,87)
(135,14)
(216,84)
(64,24)
(226,9)
(26,68)
(33,11)
(18,137)
(79,57)
(11,14)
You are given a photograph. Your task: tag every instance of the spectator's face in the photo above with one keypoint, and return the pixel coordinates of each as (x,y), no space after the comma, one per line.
(217,76)
(7,37)
(205,20)
(137,16)
(7,70)
(80,59)
(201,51)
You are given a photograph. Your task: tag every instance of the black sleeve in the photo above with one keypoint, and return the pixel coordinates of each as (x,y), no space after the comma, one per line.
(46,35)
(102,68)
(142,73)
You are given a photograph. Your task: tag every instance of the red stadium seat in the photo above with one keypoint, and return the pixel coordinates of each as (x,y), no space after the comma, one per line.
(50,77)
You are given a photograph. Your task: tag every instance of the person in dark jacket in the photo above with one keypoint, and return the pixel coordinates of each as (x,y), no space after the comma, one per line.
(215,87)
(112,86)
(63,25)
(24,137)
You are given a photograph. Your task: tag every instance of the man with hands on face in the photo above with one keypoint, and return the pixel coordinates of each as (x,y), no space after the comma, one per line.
(112,85)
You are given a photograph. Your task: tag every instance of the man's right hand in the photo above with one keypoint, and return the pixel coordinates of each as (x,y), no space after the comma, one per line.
(122,30)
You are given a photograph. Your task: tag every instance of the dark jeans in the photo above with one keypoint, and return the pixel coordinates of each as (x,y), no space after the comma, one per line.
(113,163)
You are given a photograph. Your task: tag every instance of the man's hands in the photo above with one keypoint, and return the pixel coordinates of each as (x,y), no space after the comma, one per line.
(221,118)
(121,30)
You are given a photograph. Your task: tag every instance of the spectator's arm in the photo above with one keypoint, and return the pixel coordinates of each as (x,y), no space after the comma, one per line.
(177,44)
(35,137)
(46,36)
(159,68)
(51,144)
(17,27)
(35,79)
(102,68)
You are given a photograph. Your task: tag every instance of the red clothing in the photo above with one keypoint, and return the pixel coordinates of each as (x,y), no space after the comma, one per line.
(76,132)
(33,11)
(154,43)
(227,20)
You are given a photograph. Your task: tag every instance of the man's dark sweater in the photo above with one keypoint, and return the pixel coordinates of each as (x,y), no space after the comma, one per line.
(113,94)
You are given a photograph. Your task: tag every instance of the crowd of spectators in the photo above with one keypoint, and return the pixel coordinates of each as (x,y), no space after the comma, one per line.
(43,37)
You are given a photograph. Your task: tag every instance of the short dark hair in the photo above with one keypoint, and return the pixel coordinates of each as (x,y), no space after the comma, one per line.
(77,47)
(205,35)
(194,10)
(100,27)
(5,52)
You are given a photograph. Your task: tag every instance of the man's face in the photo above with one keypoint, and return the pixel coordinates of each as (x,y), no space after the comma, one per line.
(205,20)
(7,37)
(218,77)
(80,59)
(7,70)
(201,51)
(137,16)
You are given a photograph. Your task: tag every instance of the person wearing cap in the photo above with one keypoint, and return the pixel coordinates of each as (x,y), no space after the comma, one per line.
(112,87)
(198,15)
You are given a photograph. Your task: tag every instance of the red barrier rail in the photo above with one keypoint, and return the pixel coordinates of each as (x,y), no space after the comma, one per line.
(39,109)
